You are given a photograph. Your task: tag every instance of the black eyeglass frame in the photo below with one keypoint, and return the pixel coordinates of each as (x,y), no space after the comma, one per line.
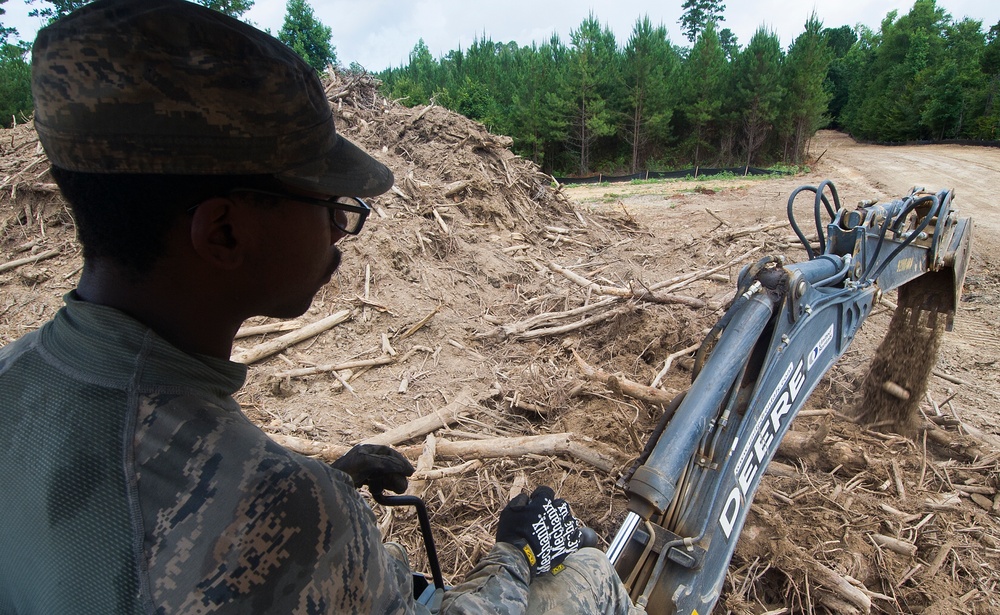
(360,208)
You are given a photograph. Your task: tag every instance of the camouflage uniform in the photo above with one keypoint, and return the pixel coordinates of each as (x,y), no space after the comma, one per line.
(133,483)
(588,584)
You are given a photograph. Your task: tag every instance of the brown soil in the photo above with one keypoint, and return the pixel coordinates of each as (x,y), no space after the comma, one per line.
(905,359)
(474,257)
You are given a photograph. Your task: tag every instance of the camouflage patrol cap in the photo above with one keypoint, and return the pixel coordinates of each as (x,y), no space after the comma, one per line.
(171,87)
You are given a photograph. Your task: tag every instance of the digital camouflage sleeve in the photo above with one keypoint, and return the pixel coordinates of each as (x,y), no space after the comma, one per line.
(133,483)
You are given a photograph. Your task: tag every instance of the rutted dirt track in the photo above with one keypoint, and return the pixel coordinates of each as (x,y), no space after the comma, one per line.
(451,292)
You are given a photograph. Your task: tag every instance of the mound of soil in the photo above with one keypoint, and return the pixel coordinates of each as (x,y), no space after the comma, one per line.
(472,288)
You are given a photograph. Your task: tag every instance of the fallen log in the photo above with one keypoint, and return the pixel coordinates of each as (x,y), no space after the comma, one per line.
(547,445)
(753,230)
(834,582)
(274,327)
(456,187)
(593,320)
(463,404)
(643,294)
(28,260)
(961,445)
(271,347)
(545,319)
(776,468)
(436,473)
(798,444)
(313,448)
(670,360)
(895,545)
(624,386)
(331,452)
(557,444)
(424,463)
(668,298)
(335,367)
(681,281)
(419,324)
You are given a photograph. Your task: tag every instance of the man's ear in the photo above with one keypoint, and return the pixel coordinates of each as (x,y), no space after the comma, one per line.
(219,232)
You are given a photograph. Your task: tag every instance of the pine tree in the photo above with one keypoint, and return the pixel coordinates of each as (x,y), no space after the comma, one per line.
(806,97)
(702,97)
(556,101)
(729,43)
(759,89)
(591,70)
(650,65)
(542,106)
(698,14)
(892,73)
(956,89)
(307,35)
(15,76)
(839,41)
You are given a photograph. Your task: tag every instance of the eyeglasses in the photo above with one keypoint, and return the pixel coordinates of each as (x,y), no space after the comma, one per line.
(347,213)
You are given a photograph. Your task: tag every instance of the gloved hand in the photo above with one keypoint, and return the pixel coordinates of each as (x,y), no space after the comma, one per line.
(543,528)
(378,466)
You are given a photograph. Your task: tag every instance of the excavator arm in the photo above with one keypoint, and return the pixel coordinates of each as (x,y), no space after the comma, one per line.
(690,491)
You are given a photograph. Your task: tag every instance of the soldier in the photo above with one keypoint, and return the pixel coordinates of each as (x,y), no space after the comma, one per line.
(209,184)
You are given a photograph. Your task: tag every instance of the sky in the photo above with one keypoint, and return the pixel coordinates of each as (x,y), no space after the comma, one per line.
(379,34)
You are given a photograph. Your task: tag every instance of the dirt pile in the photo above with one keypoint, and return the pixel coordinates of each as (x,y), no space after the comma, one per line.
(469,293)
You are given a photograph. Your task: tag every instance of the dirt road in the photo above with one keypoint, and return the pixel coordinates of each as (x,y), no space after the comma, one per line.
(973,172)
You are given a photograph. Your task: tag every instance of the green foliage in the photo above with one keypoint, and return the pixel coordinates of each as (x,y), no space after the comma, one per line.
(650,67)
(592,71)
(56,8)
(307,35)
(541,106)
(759,89)
(703,83)
(15,84)
(806,98)
(920,77)
(233,8)
(788,169)
(987,125)
(590,104)
(698,14)
(839,41)
(729,43)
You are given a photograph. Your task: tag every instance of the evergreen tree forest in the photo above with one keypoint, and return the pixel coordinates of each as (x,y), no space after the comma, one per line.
(596,104)
(301,31)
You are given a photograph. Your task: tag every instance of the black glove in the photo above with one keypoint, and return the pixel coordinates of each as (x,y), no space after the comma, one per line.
(542,527)
(378,466)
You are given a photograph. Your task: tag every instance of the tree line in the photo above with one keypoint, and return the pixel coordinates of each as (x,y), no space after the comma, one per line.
(301,31)
(591,104)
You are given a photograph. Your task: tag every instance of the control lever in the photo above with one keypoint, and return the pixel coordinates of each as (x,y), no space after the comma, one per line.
(425,528)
